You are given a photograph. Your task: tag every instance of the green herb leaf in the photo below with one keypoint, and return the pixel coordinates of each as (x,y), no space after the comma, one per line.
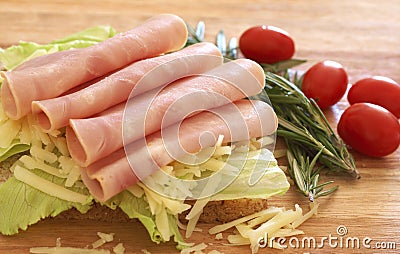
(282,65)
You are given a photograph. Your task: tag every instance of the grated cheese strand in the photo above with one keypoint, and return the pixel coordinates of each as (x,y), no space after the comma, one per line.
(73,176)
(98,243)
(197,208)
(8,132)
(106,237)
(198,247)
(66,250)
(192,225)
(238,240)
(136,190)
(162,224)
(103,238)
(61,145)
(222,227)
(261,219)
(306,216)
(55,190)
(119,248)
(271,226)
(42,154)
(31,163)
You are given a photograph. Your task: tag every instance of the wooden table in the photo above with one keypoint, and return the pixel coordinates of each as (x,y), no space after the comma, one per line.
(362,35)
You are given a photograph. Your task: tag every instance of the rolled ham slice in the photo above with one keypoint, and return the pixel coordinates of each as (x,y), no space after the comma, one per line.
(241,120)
(51,75)
(150,73)
(94,138)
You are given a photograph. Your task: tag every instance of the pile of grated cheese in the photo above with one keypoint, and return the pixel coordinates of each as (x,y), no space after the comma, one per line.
(103,238)
(49,153)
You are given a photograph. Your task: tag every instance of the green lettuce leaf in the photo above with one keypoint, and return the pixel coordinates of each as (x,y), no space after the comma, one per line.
(17,54)
(22,205)
(15,148)
(178,238)
(94,34)
(272,180)
(138,208)
(254,174)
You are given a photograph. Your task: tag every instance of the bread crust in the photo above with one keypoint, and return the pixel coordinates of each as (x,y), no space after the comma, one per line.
(214,212)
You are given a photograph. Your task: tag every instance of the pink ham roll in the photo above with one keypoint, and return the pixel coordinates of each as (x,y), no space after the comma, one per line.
(51,75)
(150,73)
(241,120)
(94,138)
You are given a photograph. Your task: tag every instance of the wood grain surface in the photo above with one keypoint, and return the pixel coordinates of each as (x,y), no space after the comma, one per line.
(362,35)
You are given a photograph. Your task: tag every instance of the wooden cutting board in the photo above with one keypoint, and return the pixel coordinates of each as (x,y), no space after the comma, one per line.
(364,36)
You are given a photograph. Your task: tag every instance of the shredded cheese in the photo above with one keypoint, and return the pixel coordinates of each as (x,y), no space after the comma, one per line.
(272,225)
(26,133)
(31,163)
(263,141)
(214,252)
(3,116)
(260,219)
(238,240)
(197,208)
(285,232)
(136,190)
(55,190)
(305,217)
(184,227)
(219,236)
(61,145)
(271,222)
(40,135)
(196,248)
(70,167)
(119,248)
(162,224)
(66,250)
(42,154)
(222,227)
(103,238)
(8,132)
(155,200)
(192,225)
(279,153)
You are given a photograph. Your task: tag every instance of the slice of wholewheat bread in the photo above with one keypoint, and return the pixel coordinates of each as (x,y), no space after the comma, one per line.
(213,212)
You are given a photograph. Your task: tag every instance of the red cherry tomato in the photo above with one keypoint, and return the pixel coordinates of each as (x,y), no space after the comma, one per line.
(369,129)
(266,44)
(378,90)
(325,82)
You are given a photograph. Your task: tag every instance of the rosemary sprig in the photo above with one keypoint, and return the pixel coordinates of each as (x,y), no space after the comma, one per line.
(229,51)
(305,173)
(303,121)
(282,65)
(302,124)
(195,35)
